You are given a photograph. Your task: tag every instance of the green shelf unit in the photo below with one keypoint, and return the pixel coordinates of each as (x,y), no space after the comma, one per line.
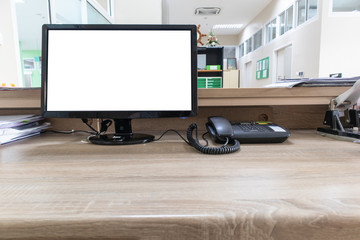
(212,76)
(201,82)
(209,82)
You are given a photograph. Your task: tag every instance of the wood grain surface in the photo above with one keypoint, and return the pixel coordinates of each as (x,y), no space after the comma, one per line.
(30,98)
(55,186)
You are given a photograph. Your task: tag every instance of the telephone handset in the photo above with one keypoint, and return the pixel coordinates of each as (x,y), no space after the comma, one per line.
(233,133)
(217,126)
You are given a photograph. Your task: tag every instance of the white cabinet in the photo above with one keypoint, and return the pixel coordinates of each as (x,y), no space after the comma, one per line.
(231,79)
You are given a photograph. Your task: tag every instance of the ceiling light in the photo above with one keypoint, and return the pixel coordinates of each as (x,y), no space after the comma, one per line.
(227,26)
(207,11)
(227,29)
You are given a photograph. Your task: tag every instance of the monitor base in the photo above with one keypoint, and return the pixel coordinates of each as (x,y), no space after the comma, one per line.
(114,139)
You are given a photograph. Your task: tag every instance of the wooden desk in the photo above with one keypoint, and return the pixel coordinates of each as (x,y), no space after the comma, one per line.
(55,186)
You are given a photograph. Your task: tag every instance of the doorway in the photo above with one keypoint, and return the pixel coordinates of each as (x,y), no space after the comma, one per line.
(283,63)
(248,75)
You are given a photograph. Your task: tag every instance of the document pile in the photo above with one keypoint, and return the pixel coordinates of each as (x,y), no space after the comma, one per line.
(315,82)
(16,127)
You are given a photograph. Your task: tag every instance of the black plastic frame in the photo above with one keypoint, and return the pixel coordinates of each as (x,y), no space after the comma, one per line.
(118,114)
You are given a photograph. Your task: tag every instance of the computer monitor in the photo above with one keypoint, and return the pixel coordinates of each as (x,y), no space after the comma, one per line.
(119,72)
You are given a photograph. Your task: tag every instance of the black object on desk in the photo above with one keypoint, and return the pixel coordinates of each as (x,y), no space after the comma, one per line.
(246,132)
(259,132)
(332,119)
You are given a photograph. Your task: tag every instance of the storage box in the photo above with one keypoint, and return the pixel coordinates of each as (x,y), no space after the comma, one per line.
(213,67)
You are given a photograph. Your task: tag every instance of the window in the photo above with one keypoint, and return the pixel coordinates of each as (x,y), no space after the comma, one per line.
(249,47)
(258,39)
(282,18)
(306,9)
(229,52)
(301,11)
(241,50)
(311,9)
(290,18)
(286,20)
(271,31)
(346,6)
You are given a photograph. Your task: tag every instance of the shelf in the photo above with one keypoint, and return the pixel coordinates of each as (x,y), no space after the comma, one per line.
(208,71)
(20,99)
(30,99)
(268,96)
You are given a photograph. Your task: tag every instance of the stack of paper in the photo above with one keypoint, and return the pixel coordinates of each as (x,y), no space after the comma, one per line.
(315,82)
(16,127)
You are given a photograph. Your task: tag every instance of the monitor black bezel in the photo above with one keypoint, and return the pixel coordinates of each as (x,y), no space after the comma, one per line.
(118,114)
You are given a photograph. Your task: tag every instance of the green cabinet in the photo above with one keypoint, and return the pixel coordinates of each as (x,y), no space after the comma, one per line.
(210,73)
(209,82)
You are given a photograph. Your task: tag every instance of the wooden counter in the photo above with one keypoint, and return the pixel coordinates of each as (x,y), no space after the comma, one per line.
(56,186)
(30,98)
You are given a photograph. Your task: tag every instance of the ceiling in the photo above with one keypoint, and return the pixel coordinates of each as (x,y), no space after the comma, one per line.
(232,12)
(33,13)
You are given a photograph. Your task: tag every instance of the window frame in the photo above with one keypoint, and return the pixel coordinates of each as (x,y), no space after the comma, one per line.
(306,13)
(241,50)
(285,15)
(270,35)
(260,32)
(249,47)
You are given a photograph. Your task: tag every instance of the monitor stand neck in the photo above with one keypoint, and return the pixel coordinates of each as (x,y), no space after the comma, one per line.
(123,135)
(123,127)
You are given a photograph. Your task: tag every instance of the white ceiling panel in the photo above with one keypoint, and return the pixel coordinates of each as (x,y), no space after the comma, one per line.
(232,12)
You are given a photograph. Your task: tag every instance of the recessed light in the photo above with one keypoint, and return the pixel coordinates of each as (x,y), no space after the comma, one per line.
(207,11)
(228,26)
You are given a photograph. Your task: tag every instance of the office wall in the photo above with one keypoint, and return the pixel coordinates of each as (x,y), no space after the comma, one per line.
(10,69)
(138,11)
(304,39)
(225,40)
(340,42)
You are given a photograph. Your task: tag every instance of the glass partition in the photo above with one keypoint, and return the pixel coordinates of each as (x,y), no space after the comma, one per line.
(94,16)
(68,11)
(32,14)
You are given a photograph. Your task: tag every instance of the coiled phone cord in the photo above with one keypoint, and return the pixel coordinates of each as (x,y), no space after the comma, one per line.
(191,141)
(211,150)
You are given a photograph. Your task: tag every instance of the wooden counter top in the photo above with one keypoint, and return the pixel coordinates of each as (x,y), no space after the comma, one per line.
(30,98)
(56,186)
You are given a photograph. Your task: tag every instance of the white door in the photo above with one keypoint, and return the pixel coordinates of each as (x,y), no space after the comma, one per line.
(283,63)
(248,75)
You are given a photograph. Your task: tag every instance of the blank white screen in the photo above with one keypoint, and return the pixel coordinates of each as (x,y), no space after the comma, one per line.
(112,70)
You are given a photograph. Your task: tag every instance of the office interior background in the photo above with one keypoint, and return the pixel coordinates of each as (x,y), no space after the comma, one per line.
(299,38)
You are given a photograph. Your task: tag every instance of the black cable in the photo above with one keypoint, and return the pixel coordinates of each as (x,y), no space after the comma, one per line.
(172,130)
(190,140)
(67,132)
(224,149)
(105,124)
(85,120)
(205,139)
(211,150)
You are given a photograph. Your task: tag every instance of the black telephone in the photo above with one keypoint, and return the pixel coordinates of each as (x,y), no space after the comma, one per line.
(245,132)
